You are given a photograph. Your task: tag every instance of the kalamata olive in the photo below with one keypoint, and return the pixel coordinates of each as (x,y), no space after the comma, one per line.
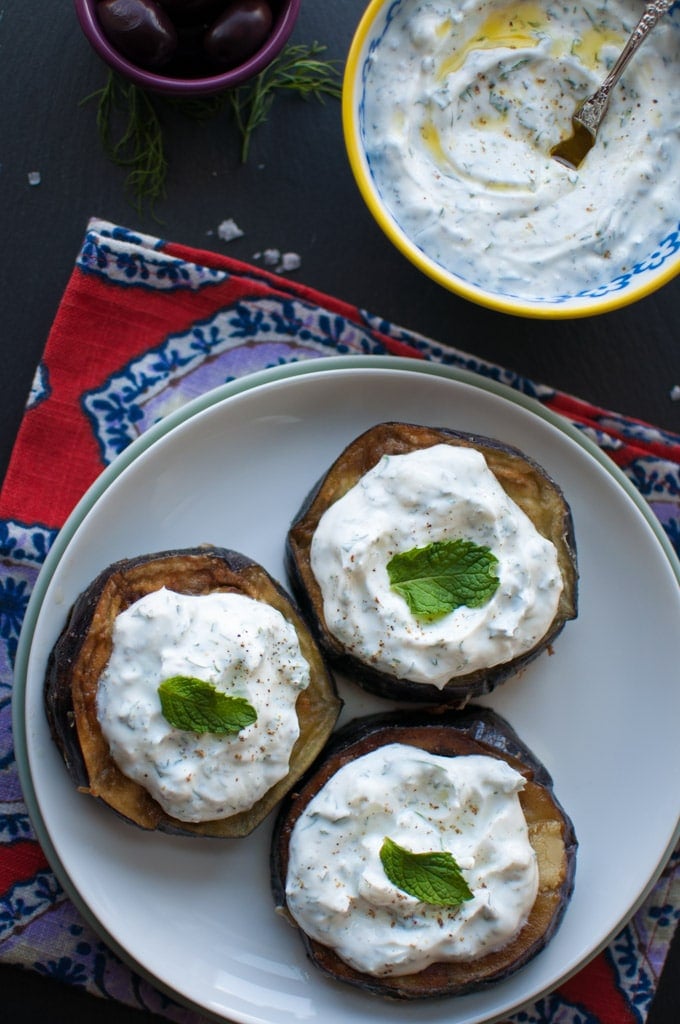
(238,32)
(140,29)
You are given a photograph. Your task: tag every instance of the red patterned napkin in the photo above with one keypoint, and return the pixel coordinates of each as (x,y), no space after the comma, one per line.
(146,325)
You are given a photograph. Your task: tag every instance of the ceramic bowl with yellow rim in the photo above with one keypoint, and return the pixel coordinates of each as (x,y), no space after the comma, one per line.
(451,109)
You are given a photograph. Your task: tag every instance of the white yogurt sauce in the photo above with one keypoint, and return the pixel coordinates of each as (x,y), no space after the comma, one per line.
(463,103)
(339,893)
(242,647)
(408,501)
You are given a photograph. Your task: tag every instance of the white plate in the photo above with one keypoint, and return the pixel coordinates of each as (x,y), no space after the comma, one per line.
(196,916)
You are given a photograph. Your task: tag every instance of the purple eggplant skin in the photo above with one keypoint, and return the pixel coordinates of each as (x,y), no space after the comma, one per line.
(82,651)
(452,733)
(522,478)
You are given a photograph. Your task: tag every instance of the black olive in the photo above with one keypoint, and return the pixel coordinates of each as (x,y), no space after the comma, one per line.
(140,29)
(238,32)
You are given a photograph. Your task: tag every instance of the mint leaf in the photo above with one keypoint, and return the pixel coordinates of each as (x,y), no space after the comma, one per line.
(431,877)
(196,706)
(440,577)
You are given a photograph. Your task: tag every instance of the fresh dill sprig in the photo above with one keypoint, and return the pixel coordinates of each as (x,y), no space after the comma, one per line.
(130,125)
(299,70)
(125,109)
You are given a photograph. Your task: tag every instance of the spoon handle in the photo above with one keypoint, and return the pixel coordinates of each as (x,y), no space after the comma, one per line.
(594,108)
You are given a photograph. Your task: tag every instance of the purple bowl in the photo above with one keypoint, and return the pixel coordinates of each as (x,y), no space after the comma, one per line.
(285,16)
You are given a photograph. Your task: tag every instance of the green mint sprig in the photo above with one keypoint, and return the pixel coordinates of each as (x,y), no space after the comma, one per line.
(196,706)
(433,878)
(444,575)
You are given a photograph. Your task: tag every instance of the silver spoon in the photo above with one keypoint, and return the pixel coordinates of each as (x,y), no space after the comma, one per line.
(590,112)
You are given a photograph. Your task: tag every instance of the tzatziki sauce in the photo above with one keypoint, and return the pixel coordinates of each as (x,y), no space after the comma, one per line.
(408,501)
(462,104)
(242,647)
(339,893)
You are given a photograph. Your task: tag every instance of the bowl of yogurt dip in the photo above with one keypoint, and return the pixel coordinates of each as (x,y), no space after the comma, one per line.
(450,111)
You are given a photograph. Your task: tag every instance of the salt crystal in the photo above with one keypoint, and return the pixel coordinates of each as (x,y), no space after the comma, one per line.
(271,257)
(290,261)
(34,178)
(229,230)
(280,261)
